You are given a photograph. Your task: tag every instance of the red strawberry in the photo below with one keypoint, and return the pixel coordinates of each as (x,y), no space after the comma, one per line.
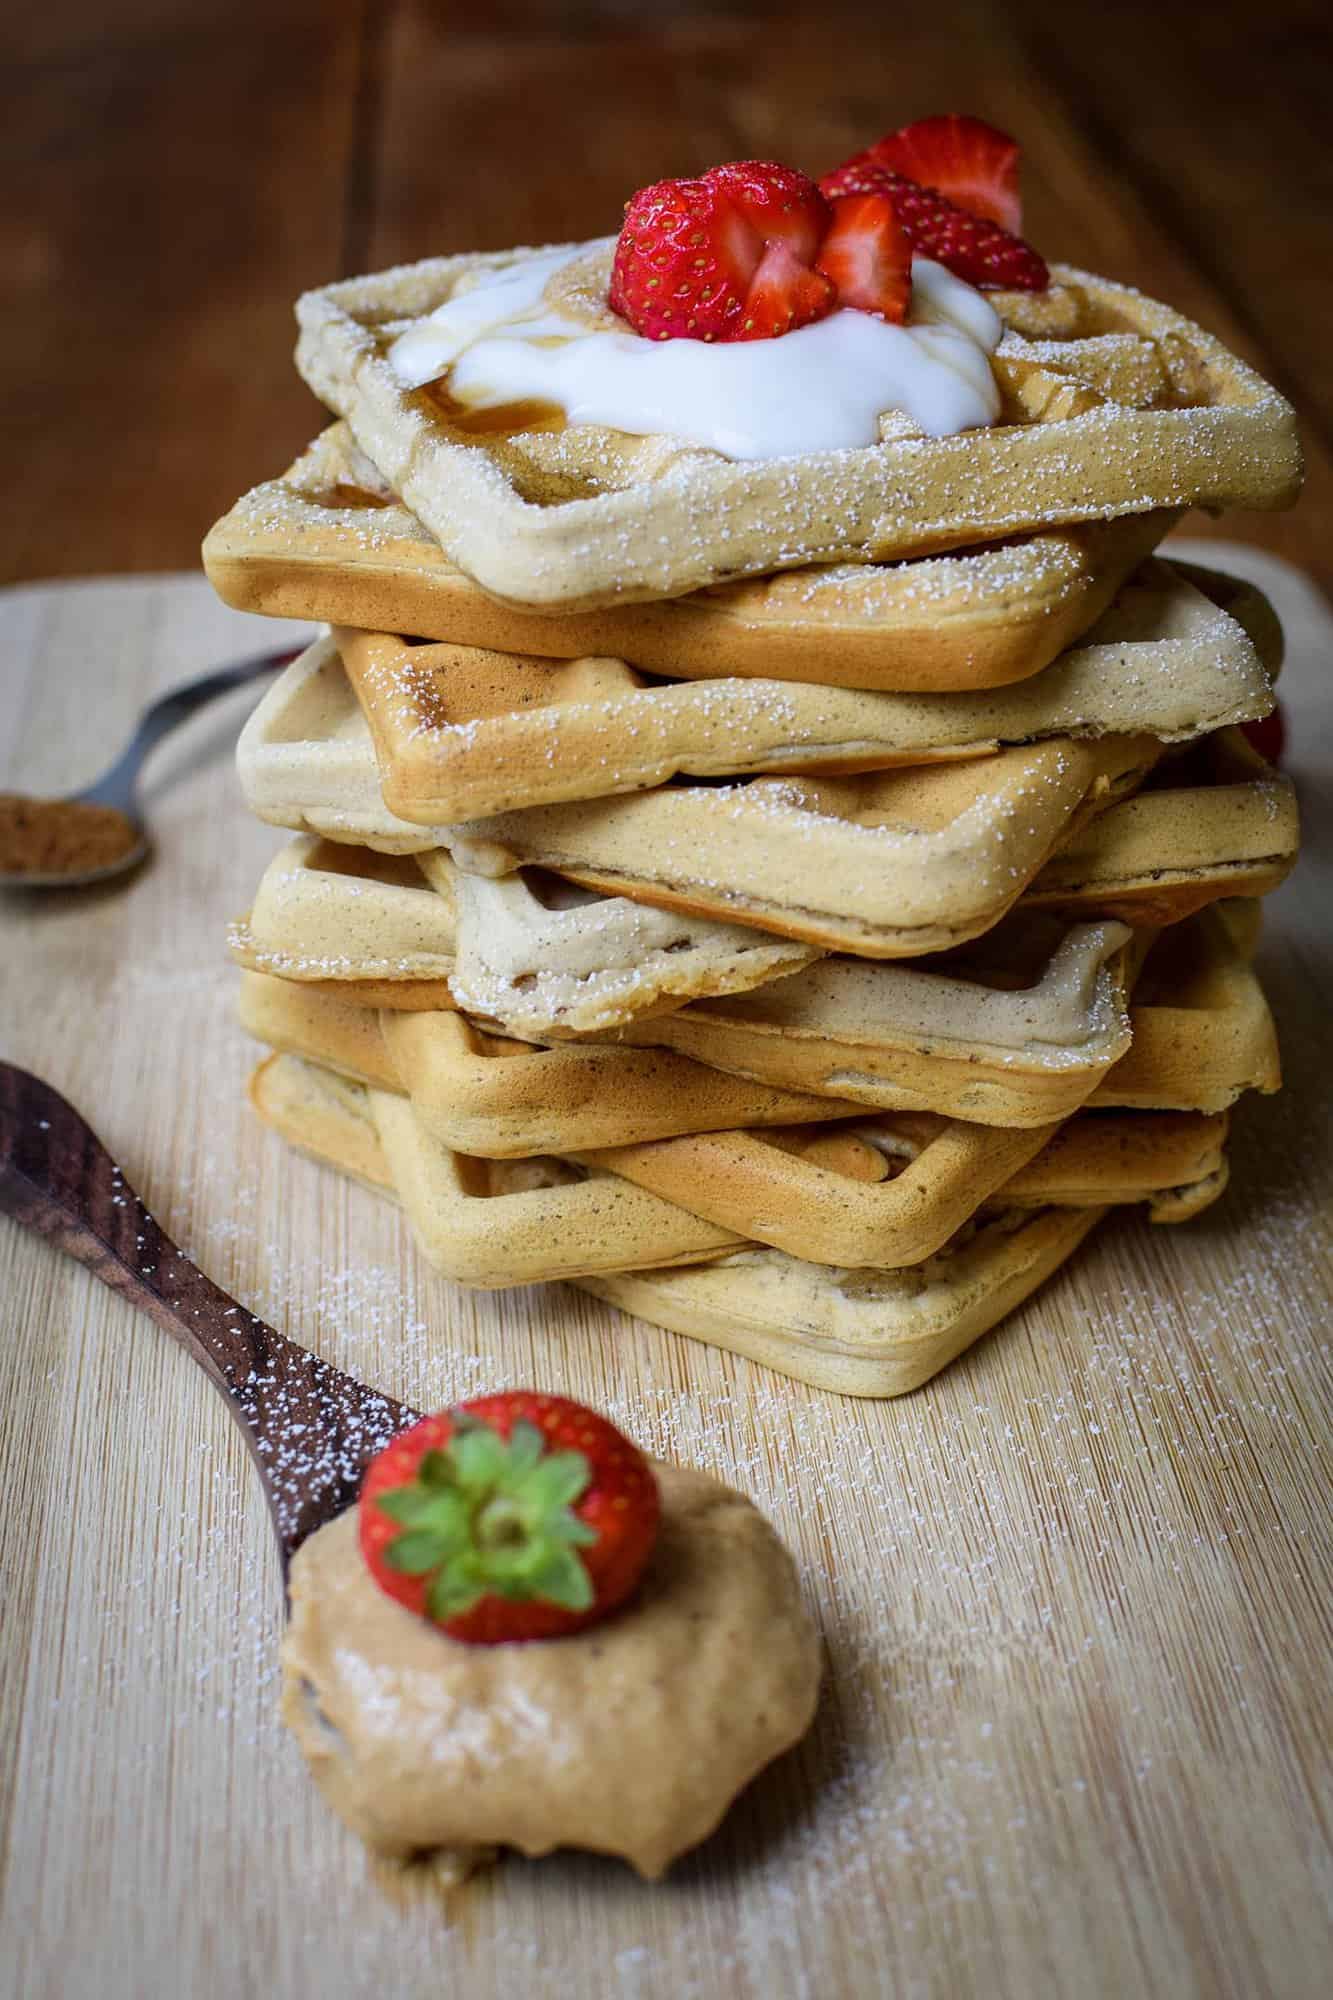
(517,1516)
(971,247)
(729,256)
(1268,735)
(963,158)
(867,256)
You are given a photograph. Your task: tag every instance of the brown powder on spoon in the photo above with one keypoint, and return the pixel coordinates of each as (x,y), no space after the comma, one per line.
(61,836)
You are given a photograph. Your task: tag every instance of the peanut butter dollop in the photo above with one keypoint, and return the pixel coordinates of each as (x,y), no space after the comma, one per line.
(631,1738)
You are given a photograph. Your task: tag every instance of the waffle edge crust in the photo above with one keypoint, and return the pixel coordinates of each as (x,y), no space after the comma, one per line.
(578,518)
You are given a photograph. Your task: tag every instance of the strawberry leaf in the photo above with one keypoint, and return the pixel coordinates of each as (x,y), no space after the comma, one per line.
(575,1533)
(556,1481)
(526,1445)
(487,1516)
(449,1596)
(479,1460)
(416,1553)
(419,1507)
(563,1580)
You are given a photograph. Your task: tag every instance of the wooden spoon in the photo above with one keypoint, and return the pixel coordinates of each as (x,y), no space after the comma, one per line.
(311,1429)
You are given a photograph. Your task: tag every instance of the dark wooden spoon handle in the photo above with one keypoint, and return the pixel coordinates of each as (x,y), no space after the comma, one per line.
(310,1428)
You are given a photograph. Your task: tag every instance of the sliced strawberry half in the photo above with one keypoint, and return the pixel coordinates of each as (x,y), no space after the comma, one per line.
(729,256)
(966,159)
(968,245)
(867,257)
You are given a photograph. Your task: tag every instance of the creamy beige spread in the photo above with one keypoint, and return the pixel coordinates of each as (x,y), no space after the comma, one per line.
(631,1738)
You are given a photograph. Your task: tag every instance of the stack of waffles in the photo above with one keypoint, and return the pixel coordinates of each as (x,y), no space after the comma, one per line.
(793,899)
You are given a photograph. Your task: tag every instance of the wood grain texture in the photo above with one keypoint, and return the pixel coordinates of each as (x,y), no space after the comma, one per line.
(180,172)
(1075,1594)
(170,192)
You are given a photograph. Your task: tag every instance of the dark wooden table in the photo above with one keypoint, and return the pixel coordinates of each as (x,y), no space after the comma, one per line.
(179,169)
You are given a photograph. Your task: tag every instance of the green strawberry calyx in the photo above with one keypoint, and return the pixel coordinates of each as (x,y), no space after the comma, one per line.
(487,1516)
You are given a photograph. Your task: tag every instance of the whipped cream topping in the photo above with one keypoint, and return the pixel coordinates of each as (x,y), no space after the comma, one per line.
(821,388)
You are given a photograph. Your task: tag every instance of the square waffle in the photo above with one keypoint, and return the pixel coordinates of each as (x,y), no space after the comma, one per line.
(1202,1030)
(858,1331)
(1016,1032)
(886,864)
(877,1194)
(306,760)
(483,1093)
(1167,660)
(1115,405)
(329,541)
(461,732)
(1197,1034)
(481,1222)
(529,951)
(491,1223)
(1216,821)
(890,863)
(893,1190)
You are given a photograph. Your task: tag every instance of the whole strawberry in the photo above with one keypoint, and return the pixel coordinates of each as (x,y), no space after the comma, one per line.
(729,256)
(515,1516)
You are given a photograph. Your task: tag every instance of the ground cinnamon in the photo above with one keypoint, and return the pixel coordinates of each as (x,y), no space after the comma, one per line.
(61,836)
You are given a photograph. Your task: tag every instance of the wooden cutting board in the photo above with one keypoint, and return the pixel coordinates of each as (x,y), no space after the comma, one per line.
(1075,1593)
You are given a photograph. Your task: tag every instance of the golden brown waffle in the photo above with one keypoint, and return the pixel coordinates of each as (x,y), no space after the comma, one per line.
(1025,1027)
(462,732)
(1214,822)
(881,1193)
(1218,823)
(892,1191)
(1115,405)
(858,1333)
(863,1332)
(482,1093)
(482,1222)
(1202,1031)
(1018,1029)
(1175,1161)
(1200,1026)
(495,1223)
(889,863)
(1166,660)
(307,761)
(530,952)
(330,541)
(352,922)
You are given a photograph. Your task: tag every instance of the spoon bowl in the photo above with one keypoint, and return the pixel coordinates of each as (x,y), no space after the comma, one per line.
(118,788)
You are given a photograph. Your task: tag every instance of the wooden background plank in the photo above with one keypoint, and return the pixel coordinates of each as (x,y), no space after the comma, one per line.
(180,172)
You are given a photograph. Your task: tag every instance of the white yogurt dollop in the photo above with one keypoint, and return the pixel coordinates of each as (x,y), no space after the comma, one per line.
(818,389)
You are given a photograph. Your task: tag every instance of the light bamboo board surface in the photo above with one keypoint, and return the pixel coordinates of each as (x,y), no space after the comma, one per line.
(1075,1593)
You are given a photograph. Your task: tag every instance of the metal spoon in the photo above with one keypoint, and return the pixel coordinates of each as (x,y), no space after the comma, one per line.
(311,1429)
(118,787)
